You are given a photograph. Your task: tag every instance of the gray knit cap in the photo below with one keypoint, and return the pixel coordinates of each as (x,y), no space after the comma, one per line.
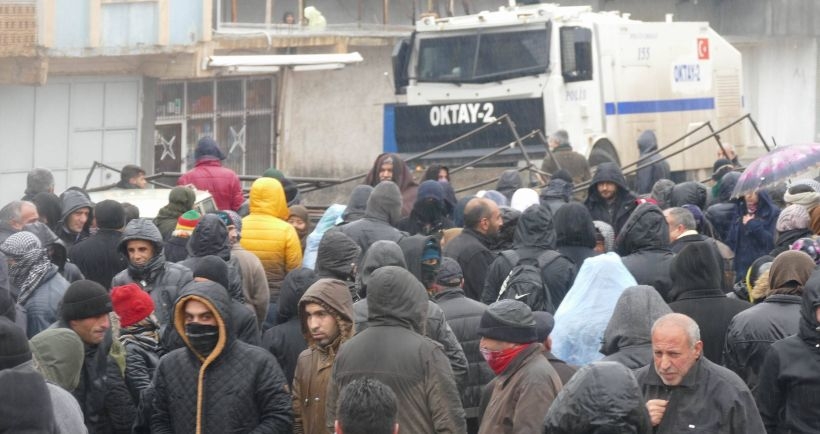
(508,321)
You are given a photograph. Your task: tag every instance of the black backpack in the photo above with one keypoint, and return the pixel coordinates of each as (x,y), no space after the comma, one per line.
(524,282)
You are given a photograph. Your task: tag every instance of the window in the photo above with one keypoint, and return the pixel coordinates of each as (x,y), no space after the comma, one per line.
(483,57)
(576,53)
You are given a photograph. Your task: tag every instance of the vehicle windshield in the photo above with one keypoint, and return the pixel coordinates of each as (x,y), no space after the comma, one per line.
(484,56)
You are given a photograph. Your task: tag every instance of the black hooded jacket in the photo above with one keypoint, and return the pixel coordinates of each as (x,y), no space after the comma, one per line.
(690,192)
(534,235)
(159,278)
(556,194)
(789,379)
(236,388)
(285,340)
(382,214)
(656,167)
(628,336)
(98,257)
(336,258)
(357,203)
(618,211)
(508,182)
(210,237)
(74,200)
(602,397)
(643,244)
(722,210)
(575,233)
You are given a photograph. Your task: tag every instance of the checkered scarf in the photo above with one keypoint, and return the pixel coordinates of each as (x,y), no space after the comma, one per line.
(30,263)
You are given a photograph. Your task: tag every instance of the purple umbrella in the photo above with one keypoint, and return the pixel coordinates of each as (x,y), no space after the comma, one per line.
(778,165)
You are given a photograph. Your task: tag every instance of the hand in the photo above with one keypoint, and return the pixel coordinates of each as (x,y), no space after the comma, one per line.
(656,409)
(747,217)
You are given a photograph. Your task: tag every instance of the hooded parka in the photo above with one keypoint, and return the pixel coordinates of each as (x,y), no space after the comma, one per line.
(380,219)
(722,209)
(394,351)
(628,336)
(575,233)
(756,238)
(656,167)
(74,200)
(643,244)
(402,177)
(315,364)
(180,200)
(615,213)
(236,388)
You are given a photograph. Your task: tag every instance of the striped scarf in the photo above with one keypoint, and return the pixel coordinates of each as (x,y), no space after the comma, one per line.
(29,263)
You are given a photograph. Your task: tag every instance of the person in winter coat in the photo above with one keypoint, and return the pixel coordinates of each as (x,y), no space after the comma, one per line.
(388,253)
(97,256)
(180,200)
(285,340)
(792,224)
(508,182)
(78,213)
(601,397)
(652,168)
(426,389)
(471,248)
(789,377)
(662,192)
(326,314)
(356,203)
(534,236)
(463,316)
(266,234)
(608,198)
(684,391)
(751,234)
(722,209)
(49,209)
(209,175)
(329,219)
(101,392)
(57,354)
(696,293)
(57,253)
(422,255)
(557,192)
(562,155)
(429,213)
(40,285)
(336,259)
(752,332)
(544,323)
(25,401)
(525,384)
(574,233)
(210,238)
(628,337)
(175,247)
(141,242)
(299,218)
(690,192)
(390,167)
(643,244)
(380,219)
(14,216)
(217,383)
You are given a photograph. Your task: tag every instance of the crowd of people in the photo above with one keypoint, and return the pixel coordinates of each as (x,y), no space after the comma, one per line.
(629,306)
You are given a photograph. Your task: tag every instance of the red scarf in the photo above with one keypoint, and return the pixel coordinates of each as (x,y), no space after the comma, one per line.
(499,360)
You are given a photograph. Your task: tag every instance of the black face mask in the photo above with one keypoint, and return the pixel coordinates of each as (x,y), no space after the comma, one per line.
(202,337)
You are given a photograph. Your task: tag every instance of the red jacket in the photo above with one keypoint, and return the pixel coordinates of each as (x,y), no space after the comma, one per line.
(221,182)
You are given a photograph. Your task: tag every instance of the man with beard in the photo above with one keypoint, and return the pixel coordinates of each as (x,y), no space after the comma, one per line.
(390,167)
(141,242)
(482,221)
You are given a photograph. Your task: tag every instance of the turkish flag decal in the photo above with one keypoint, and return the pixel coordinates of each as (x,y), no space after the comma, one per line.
(703,48)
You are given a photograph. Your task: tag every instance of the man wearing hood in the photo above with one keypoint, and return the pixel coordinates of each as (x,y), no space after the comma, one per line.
(601,397)
(388,253)
(285,339)
(209,175)
(180,200)
(752,332)
(722,209)
(789,379)
(141,243)
(326,314)
(557,192)
(653,168)
(426,389)
(216,383)
(97,256)
(429,214)
(508,182)
(272,239)
(696,293)
(76,219)
(356,203)
(574,233)
(299,218)
(254,282)
(336,259)
(686,392)
(380,219)
(525,384)
(471,248)
(608,198)
(534,237)
(563,157)
(690,192)
(643,244)
(752,229)
(627,338)
(390,167)
(210,238)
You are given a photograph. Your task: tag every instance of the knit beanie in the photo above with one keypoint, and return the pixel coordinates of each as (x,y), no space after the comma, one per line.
(131,303)
(214,269)
(792,217)
(188,220)
(14,348)
(110,215)
(231,218)
(85,299)
(508,321)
